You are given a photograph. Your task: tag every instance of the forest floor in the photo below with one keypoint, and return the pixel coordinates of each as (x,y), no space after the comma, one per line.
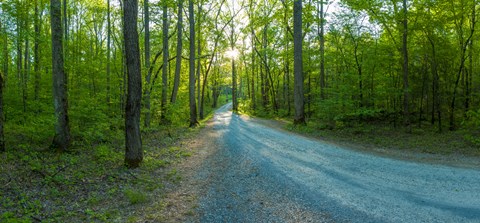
(89,182)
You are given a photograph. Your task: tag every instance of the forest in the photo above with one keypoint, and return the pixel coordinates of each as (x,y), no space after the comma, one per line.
(112,81)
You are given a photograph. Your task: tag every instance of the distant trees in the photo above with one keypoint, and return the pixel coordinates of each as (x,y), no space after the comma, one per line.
(133,140)
(389,59)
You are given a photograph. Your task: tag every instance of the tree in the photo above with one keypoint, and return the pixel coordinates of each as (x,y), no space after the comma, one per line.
(165,60)
(406,111)
(191,79)
(61,140)
(36,63)
(109,46)
(2,117)
(147,63)
(133,141)
(298,63)
(321,34)
(178,61)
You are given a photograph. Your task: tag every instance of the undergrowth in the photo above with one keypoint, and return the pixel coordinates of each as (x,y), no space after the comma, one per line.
(425,139)
(88,183)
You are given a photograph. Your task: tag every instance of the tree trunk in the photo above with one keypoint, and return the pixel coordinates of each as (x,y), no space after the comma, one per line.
(2,117)
(109,33)
(436,89)
(61,140)
(19,51)
(165,62)
(199,54)
(191,79)
(65,21)
(406,112)
(5,54)
(133,141)
(234,87)
(359,70)
(298,63)
(322,51)
(254,102)
(178,61)
(36,63)
(25,74)
(147,65)
(470,69)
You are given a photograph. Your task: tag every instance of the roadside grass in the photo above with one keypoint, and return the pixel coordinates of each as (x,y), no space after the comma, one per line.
(89,183)
(369,136)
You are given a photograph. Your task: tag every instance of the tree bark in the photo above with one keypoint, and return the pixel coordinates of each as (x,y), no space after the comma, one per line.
(36,63)
(199,53)
(25,73)
(298,63)
(234,87)
(165,62)
(147,64)
(178,60)
(191,79)
(5,54)
(406,112)
(469,78)
(322,51)
(133,141)
(109,33)
(2,117)
(61,140)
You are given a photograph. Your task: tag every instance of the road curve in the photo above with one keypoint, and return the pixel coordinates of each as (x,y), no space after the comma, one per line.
(260,174)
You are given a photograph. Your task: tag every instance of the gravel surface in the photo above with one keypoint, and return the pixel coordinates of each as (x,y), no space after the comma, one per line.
(259,174)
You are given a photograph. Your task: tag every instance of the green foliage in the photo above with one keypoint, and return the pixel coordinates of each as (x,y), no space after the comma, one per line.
(105,153)
(473,119)
(135,197)
(173,176)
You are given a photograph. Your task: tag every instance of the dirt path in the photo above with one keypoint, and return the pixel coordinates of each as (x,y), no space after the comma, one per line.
(243,171)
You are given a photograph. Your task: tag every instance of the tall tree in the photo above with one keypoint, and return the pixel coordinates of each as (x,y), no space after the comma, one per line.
(109,45)
(298,63)
(406,111)
(133,140)
(147,63)
(2,119)
(5,52)
(178,60)
(165,60)
(36,63)
(61,141)
(321,15)
(191,79)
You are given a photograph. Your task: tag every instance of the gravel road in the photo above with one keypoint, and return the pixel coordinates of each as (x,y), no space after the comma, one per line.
(261,174)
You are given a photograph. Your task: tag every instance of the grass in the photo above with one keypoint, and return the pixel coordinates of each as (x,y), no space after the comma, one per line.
(89,183)
(387,137)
